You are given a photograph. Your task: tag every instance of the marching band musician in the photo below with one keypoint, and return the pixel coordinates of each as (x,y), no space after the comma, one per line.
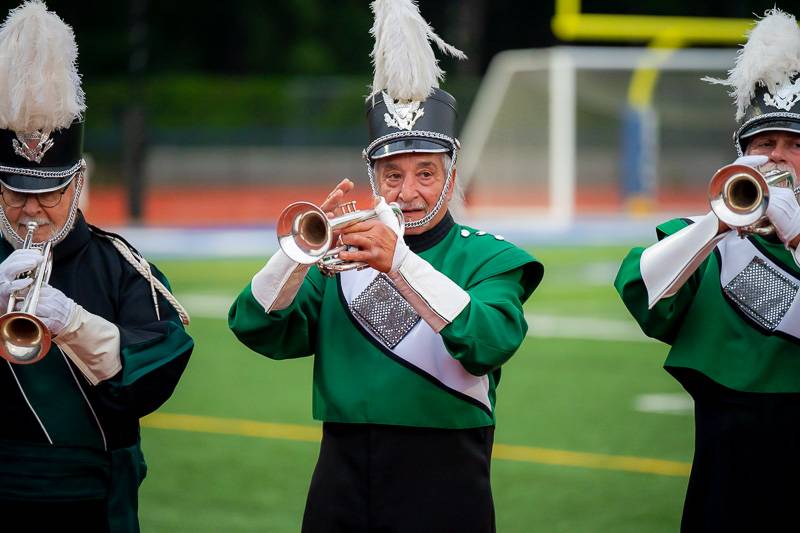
(70,456)
(728,306)
(408,351)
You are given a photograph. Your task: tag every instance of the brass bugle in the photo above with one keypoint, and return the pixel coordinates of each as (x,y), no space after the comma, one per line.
(306,234)
(24,339)
(739,196)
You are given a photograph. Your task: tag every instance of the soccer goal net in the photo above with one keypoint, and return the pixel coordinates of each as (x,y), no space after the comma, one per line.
(572,130)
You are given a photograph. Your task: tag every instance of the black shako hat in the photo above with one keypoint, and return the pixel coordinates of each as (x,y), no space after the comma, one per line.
(400,127)
(41,100)
(764,79)
(771,111)
(40,161)
(406,110)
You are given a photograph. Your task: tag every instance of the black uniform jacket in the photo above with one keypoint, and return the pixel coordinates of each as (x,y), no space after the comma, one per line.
(64,439)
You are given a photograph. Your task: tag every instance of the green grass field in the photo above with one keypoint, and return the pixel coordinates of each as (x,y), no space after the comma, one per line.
(560,392)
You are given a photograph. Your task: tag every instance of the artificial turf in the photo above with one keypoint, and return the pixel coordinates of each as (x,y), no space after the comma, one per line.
(556,393)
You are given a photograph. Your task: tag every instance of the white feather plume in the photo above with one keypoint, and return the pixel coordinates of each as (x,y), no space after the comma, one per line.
(770,58)
(405,65)
(40,88)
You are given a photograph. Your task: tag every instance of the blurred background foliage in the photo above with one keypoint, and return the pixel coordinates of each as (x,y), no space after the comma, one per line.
(283,73)
(246,63)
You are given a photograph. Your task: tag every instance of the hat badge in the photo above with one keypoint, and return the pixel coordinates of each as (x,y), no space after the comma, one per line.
(32,145)
(402,116)
(785,97)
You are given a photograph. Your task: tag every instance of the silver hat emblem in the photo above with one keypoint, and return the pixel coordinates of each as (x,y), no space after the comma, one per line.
(401,116)
(785,97)
(33,145)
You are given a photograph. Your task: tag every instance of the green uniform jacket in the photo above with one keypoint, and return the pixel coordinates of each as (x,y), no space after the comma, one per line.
(711,325)
(358,380)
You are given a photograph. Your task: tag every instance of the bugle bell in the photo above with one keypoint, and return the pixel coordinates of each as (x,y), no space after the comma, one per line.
(306,234)
(739,196)
(24,339)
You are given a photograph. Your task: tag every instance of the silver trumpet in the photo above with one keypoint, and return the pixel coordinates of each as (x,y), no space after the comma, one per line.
(306,234)
(24,339)
(739,195)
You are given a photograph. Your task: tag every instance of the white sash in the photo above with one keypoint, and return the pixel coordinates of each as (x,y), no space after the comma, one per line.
(744,266)
(421,347)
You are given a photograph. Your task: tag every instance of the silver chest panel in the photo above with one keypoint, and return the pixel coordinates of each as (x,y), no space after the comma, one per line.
(387,314)
(762,293)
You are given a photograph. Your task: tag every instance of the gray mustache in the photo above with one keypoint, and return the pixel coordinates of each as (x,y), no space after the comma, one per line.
(413,206)
(766,167)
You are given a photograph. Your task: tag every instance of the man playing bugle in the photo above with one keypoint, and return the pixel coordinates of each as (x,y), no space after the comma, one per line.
(107,344)
(722,290)
(408,350)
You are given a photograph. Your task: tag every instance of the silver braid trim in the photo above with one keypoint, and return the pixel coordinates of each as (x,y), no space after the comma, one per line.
(424,134)
(143,267)
(36,173)
(406,134)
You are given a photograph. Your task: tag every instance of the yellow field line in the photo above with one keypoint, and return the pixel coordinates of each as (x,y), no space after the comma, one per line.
(642,465)
(232,426)
(527,454)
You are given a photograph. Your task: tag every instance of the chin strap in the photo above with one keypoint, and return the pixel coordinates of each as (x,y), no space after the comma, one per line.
(455,147)
(16,241)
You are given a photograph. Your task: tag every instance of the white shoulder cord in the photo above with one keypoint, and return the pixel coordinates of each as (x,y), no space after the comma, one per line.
(143,267)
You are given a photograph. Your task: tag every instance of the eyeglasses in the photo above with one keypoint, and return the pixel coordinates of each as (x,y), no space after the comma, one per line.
(46,199)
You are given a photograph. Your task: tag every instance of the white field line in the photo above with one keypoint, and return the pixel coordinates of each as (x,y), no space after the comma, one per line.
(215,306)
(206,305)
(678,403)
(586,328)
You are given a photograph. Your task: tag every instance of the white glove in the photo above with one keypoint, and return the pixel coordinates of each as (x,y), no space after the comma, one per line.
(15,264)
(784,213)
(55,309)
(752,161)
(386,215)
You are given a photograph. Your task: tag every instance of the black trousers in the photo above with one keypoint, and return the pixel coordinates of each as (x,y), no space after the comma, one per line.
(746,469)
(373,478)
(86,516)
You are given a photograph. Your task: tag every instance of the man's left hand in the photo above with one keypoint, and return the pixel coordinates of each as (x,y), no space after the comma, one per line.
(379,240)
(784,213)
(375,242)
(54,309)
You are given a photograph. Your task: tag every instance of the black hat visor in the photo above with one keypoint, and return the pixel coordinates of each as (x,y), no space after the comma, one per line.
(34,184)
(771,125)
(409,146)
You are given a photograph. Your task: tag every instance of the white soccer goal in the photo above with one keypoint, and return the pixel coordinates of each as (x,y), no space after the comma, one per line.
(546,134)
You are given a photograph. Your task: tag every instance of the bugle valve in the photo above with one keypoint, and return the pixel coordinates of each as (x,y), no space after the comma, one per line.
(306,234)
(24,339)
(739,196)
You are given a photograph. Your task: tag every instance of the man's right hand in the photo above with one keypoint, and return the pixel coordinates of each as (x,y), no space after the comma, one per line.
(784,214)
(752,161)
(336,197)
(15,264)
